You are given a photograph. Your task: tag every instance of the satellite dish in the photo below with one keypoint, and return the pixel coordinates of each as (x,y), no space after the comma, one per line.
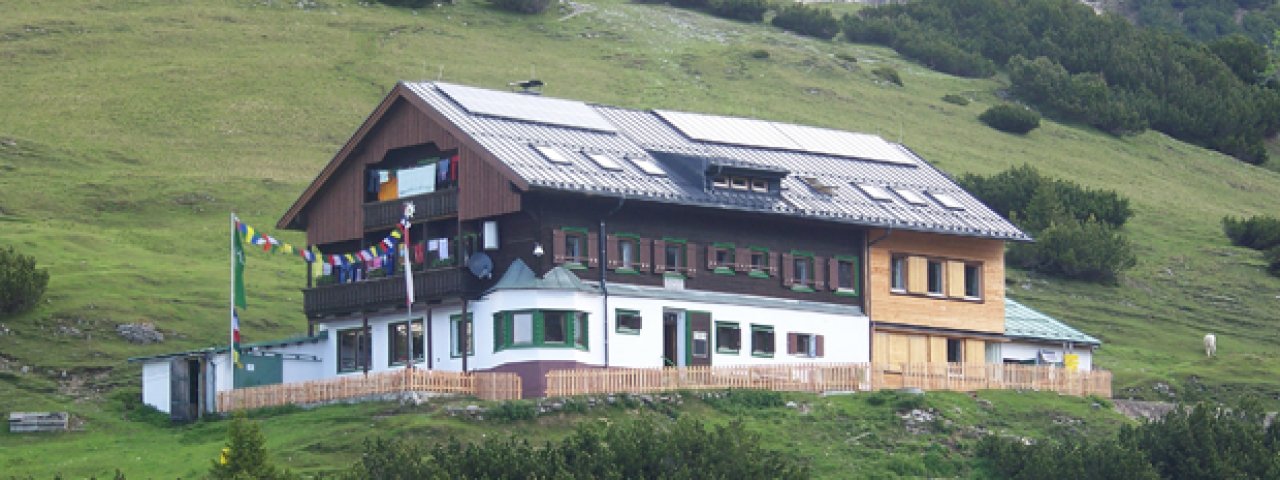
(480,265)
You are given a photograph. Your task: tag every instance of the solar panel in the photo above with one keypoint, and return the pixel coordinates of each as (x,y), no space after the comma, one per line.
(947,200)
(646,165)
(604,161)
(876,192)
(552,155)
(533,108)
(783,136)
(911,196)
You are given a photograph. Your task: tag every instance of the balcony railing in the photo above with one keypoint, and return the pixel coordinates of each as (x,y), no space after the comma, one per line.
(441,204)
(382,292)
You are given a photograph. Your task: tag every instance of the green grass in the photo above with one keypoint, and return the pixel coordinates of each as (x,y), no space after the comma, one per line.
(129,130)
(851,436)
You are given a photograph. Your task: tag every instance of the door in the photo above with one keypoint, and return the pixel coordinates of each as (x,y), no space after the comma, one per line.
(669,339)
(699,340)
(180,391)
(260,370)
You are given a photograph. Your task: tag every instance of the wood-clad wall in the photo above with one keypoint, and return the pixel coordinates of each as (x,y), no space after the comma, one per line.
(335,214)
(985,315)
(483,190)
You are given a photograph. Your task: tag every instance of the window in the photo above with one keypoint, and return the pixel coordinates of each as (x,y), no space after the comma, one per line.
(803,271)
(898,273)
(846,275)
(673,253)
(759,185)
(628,321)
(572,247)
(540,328)
(972,280)
(955,350)
(947,200)
(804,345)
(876,192)
(721,257)
(720,182)
(728,337)
(398,343)
(353,350)
(459,330)
(760,267)
(553,155)
(934,272)
(604,161)
(738,183)
(911,196)
(628,253)
(762,341)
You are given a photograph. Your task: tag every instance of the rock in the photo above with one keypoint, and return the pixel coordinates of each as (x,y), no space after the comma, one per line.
(474,409)
(984,403)
(792,405)
(611,399)
(139,333)
(557,406)
(1096,405)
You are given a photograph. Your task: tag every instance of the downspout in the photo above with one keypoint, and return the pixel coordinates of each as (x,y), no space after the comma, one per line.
(604,269)
(866,293)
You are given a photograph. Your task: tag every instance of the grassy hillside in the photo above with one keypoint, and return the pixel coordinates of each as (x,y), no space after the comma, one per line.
(129,130)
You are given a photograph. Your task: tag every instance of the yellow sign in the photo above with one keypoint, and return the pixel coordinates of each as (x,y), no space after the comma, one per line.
(1071,361)
(222,459)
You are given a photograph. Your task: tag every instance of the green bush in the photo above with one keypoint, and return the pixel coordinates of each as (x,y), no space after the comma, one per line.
(245,454)
(739,401)
(808,21)
(1106,459)
(1272,257)
(888,74)
(21,284)
(529,7)
(1209,442)
(693,4)
(407,3)
(514,411)
(1011,192)
(130,401)
(742,10)
(1011,118)
(1258,232)
(955,99)
(1089,250)
(643,448)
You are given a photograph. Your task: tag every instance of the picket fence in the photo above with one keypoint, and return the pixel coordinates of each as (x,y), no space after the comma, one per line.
(483,385)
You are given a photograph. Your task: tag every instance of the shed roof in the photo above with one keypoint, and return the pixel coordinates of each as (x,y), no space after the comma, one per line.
(283,342)
(520,277)
(500,123)
(1020,321)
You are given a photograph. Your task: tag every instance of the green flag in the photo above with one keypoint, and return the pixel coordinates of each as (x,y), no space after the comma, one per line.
(237,262)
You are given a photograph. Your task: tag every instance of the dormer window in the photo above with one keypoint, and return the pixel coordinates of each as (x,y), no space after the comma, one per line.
(739,183)
(759,185)
(720,182)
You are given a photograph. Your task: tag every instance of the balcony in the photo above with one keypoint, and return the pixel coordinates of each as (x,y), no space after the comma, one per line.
(383,292)
(427,206)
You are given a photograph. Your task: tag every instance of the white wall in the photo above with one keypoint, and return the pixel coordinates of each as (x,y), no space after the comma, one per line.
(155,384)
(1024,350)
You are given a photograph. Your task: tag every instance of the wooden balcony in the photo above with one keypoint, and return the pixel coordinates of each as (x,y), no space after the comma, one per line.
(428,206)
(381,293)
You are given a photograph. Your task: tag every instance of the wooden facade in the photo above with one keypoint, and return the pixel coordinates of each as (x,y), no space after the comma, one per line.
(985,314)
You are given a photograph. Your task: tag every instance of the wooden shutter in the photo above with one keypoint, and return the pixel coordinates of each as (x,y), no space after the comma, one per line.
(974,351)
(937,349)
(792,341)
(821,350)
(659,256)
(833,274)
(611,250)
(899,348)
(788,270)
(691,259)
(711,257)
(880,348)
(742,259)
(955,279)
(919,346)
(643,245)
(819,273)
(593,249)
(557,246)
(773,262)
(917,274)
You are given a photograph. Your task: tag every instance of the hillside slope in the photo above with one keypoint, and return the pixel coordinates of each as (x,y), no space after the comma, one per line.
(129,130)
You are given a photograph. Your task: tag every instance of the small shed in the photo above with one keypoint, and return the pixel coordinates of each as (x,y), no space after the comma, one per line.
(1038,339)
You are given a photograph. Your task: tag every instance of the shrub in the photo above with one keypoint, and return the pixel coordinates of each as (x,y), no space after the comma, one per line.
(1097,459)
(1011,119)
(695,4)
(888,74)
(1088,250)
(407,3)
(1257,232)
(514,411)
(743,10)
(806,20)
(529,7)
(760,54)
(1272,257)
(738,401)
(245,454)
(955,99)
(1011,192)
(21,284)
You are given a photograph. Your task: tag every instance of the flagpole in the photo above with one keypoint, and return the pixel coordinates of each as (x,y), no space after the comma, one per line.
(408,282)
(231,326)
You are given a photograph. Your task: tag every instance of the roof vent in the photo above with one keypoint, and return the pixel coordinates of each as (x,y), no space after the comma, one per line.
(531,86)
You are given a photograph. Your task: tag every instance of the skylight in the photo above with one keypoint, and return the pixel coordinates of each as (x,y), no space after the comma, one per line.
(947,200)
(876,192)
(553,155)
(911,196)
(604,161)
(646,165)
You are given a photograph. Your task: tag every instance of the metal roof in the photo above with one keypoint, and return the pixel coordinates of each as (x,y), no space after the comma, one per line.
(283,342)
(644,135)
(520,277)
(706,296)
(1020,321)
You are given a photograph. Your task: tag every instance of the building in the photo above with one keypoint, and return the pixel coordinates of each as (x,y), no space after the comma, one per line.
(550,234)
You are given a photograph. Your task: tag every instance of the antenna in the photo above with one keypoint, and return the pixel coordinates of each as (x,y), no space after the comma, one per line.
(440,76)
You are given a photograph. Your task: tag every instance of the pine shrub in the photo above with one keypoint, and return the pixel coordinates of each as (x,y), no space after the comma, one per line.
(955,99)
(1011,119)
(1258,232)
(245,454)
(21,283)
(888,74)
(751,11)
(1089,250)
(529,7)
(809,21)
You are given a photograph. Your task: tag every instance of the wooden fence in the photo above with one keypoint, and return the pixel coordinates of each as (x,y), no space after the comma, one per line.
(829,377)
(485,385)
(790,378)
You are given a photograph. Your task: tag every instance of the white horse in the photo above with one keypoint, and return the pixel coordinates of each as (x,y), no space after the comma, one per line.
(1210,345)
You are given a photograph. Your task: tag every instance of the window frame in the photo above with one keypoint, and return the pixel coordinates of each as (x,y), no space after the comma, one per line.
(576,322)
(854,275)
(772,344)
(898,267)
(617,321)
(731,253)
(454,347)
(634,259)
(364,339)
(682,256)
(578,262)
(759,185)
(811,267)
(976,279)
(810,345)
(955,349)
(764,270)
(941,291)
(393,335)
(737,327)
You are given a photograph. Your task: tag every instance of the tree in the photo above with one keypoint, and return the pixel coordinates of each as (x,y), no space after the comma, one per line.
(21,284)
(1246,58)
(245,455)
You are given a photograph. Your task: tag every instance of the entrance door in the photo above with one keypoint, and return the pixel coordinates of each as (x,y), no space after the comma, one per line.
(670,336)
(181,384)
(699,340)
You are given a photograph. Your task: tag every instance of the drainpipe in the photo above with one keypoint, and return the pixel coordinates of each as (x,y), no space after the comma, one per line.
(604,286)
(466,335)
